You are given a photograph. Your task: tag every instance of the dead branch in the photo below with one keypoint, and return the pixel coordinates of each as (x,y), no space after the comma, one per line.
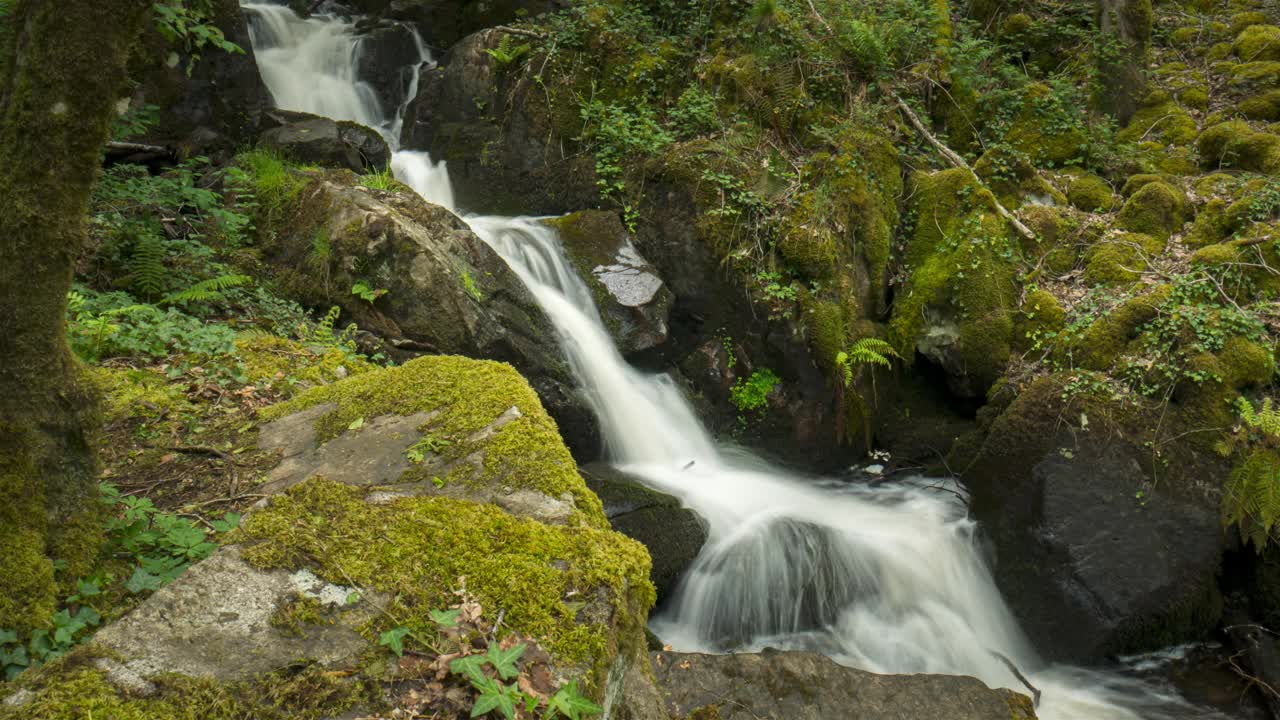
(1035,692)
(954,158)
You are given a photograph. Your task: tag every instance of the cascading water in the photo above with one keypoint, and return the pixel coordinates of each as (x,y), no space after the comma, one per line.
(887,579)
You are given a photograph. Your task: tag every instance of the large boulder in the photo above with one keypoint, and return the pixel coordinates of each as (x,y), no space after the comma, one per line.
(776,685)
(208,103)
(633,300)
(1098,550)
(674,535)
(285,622)
(445,22)
(315,140)
(436,286)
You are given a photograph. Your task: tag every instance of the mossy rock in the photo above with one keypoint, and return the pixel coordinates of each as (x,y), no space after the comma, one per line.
(1211,225)
(290,367)
(1165,121)
(1029,133)
(1196,98)
(1244,20)
(1041,313)
(1253,77)
(1121,258)
(1090,193)
(1015,180)
(1103,342)
(1249,253)
(1258,42)
(1136,182)
(1056,233)
(479,430)
(957,304)
(1235,144)
(1264,107)
(1157,209)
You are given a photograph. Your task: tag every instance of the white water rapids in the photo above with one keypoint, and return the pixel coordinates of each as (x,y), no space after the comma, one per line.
(887,579)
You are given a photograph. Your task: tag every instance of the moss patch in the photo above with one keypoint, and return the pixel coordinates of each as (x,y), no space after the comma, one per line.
(416,549)
(468,396)
(1090,193)
(1156,209)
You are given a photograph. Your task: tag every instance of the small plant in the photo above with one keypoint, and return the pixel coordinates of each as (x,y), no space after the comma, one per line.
(472,289)
(189,24)
(381,180)
(428,444)
(508,53)
(752,394)
(362,290)
(865,353)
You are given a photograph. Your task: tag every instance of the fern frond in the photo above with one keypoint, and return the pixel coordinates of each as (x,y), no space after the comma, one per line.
(146,265)
(1251,497)
(210,290)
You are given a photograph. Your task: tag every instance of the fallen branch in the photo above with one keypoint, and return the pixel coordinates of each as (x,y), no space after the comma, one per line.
(520,31)
(1035,692)
(954,158)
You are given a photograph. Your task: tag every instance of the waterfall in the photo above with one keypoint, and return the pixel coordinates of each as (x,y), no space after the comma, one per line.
(888,579)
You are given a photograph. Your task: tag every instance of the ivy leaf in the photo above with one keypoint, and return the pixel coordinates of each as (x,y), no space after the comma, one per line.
(445,618)
(471,668)
(394,639)
(570,703)
(141,581)
(504,661)
(7,637)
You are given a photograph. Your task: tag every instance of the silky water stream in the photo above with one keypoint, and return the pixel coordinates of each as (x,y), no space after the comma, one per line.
(888,579)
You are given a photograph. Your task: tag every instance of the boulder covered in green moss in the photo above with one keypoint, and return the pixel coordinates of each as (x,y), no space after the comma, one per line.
(1098,549)
(1090,193)
(956,306)
(1121,258)
(320,570)
(1156,209)
(1258,42)
(631,296)
(1234,144)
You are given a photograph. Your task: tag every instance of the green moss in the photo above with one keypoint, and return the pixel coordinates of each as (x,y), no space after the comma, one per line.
(1242,21)
(1164,121)
(1211,225)
(1013,179)
(289,367)
(828,329)
(1157,210)
(1196,98)
(1219,51)
(30,595)
(1253,77)
(275,184)
(1253,257)
(1258,42)
(1090,193)
(416,549)
(1121,258)
(961,263)
(73,691)
(1055,233)
(1139,181)
(1262,107)
(1031,135)
(1236,144)
(1041,313)
(467,395)
(293,616)
(138,393)
(1102,343)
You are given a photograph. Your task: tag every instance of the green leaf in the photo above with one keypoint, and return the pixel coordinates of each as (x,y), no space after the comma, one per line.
(229,522)
(445,618)
(569,702)
(356,424)
(8,637)
(394,639)
(141,581)
(472,668)
(504,661)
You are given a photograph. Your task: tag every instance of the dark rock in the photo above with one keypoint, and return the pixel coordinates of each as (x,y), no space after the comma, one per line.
(389,59)
(212,109)
(776,685)
(1094,555)
(673,534)
(634,302)
(320,141)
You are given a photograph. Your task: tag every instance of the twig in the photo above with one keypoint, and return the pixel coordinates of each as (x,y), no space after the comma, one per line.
(138,148)
(1035,692)
(954,158)
(520,31)
(228,499)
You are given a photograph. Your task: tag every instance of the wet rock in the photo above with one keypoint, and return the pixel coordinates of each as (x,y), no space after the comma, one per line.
(214,107)
(633,300)
(314,140)
(674,535)
(445,22)
(446,290)
(389,57)
(1094,555)
(776,685)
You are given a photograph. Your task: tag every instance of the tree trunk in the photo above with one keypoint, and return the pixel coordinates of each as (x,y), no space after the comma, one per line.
(65,69)
(1125,26)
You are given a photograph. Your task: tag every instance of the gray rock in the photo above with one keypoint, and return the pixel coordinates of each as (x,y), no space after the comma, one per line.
(634,302)
(320,141)
(445,22)
(215,621)
(776,685)
(674,535)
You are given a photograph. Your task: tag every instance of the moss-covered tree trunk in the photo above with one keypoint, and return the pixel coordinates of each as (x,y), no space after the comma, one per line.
(1125,26)
(64,69)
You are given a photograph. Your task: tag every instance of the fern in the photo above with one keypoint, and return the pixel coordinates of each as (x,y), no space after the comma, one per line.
(146,264)
(208,291)
(1251,497)
(867,352)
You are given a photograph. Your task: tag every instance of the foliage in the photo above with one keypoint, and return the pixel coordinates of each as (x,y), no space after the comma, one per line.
(190,25)
(104,325)
(381,180)
(508,53)
(1251,497)
(867,352)
(362,290)
(146,549)
(752,393)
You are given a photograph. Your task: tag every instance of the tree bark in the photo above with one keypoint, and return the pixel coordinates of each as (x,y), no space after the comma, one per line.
(1126,24)
(65,70)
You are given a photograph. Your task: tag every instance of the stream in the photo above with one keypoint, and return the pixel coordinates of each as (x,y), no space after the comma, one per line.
(887,578)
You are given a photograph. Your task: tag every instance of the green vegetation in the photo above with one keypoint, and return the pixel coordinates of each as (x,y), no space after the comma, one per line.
(1251,498)
(751,394)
